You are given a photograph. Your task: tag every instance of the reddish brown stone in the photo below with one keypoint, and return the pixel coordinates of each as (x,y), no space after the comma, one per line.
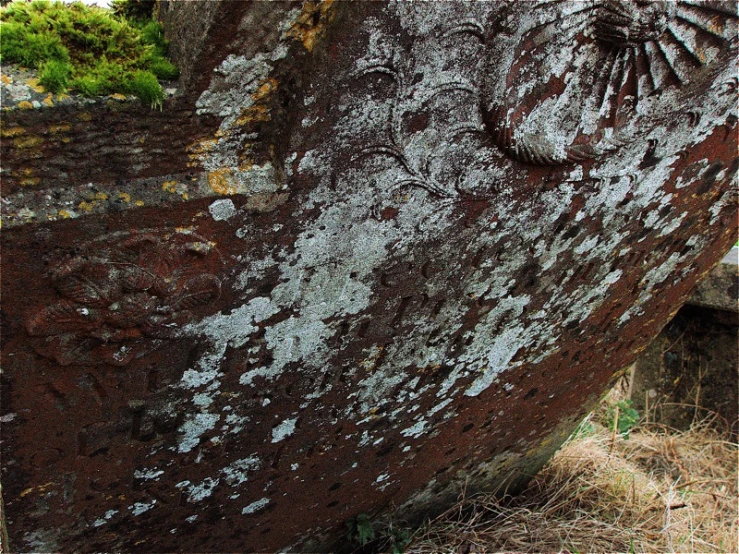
(388,285)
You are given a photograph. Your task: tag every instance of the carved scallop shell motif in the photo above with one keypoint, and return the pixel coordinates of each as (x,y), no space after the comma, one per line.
(582,74)
(122,294)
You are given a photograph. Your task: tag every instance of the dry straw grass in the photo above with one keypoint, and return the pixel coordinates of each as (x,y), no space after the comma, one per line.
(653,490)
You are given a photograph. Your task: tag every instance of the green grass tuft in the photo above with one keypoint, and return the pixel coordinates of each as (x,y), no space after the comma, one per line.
(88,49)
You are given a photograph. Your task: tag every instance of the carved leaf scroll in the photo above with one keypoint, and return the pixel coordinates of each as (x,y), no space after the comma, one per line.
(121,295)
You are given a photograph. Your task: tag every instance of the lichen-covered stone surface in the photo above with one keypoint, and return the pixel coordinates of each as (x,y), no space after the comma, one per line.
(425,237)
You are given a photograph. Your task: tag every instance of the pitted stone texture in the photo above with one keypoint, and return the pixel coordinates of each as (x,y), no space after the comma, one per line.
(421,308)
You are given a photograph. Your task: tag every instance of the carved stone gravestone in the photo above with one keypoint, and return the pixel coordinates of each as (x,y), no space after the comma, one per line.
(369,252)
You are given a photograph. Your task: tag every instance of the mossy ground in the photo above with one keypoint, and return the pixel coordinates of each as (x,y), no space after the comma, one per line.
(86,49)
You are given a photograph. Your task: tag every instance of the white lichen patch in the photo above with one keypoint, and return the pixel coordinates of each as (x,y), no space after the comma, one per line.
(255,506)
(202,490)
(415,430)
(139,508)
(222,209)
(148,474)
(193,428)
(236,472)
(284,429)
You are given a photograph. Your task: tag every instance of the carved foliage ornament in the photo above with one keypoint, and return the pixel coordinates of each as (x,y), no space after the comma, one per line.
(583,77)
(121,294)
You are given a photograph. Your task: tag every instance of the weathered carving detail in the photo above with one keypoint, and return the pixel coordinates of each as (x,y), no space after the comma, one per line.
(121,294)
(615,54)
(628,24)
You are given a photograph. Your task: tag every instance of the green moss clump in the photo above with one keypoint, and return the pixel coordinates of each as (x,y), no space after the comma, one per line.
(88,49)
(54,75)
(147,88)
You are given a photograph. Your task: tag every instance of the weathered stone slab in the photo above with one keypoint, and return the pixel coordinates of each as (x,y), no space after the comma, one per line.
(443,227)
(719,290)
(692,368)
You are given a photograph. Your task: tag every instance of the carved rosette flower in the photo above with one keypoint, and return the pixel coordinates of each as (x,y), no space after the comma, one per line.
(121,295)
(585,78)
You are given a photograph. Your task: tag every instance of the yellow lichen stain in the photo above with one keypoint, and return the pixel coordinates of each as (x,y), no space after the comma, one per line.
(12,132)
(20,173)
(142,140)
(33,83)
(66,140)
(185,196)
(138,203)
(84,116)
(311,24)
(40,488)
(125,197)
(86,206)
(118,96)
(30,141)
(247,164)
(401,198)
(101,196)
(30,182)
(25,105)
(220,181)
(267,87)
(57,128)
(6,79)
(48,101)
(169,186)
(253,114)
(64,214)
(197,149)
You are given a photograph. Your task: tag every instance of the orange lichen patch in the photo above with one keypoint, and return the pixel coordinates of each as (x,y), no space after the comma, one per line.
(6,80)
(33,83)
(57,128)
(48,101)
(12,132)
(246,164)
(86,206)
(30,141)
(311,24)
(25,105)
(101,196)
(124,196)
(267,87)
(221,182)
(118,96)
(85,116)
(253,114)
(169,186)
(138,203)
(200,147)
